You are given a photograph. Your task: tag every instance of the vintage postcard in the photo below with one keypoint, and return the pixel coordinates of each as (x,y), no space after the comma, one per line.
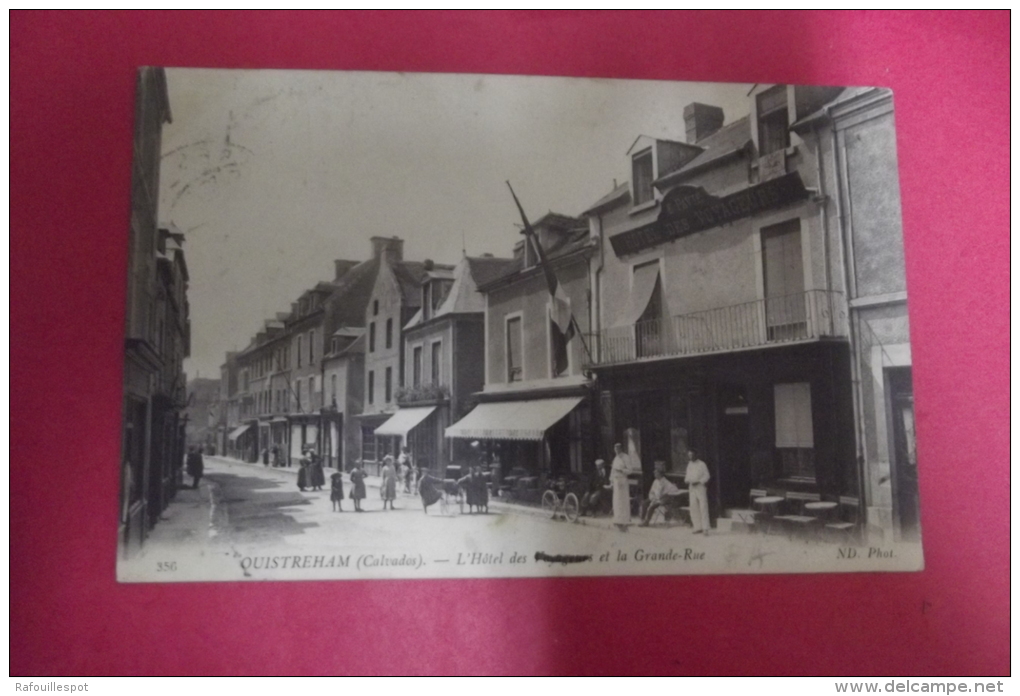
(389,325)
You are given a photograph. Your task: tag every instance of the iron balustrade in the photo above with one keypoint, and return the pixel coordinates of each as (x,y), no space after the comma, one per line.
(771,321)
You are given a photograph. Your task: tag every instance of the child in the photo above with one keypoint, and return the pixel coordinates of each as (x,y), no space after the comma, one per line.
(336,493)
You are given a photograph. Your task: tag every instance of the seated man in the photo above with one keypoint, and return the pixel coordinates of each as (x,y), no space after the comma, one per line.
(661,488)
(599,491)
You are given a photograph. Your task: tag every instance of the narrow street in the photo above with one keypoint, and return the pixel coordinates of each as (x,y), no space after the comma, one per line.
(247,521)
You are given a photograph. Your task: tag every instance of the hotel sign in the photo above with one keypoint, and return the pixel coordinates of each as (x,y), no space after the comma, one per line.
(689,209)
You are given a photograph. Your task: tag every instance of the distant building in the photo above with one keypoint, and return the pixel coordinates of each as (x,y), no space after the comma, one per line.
(202,414)
(394,300)
(444,348)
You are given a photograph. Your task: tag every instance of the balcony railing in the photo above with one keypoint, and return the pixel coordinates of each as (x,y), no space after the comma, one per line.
(772,321)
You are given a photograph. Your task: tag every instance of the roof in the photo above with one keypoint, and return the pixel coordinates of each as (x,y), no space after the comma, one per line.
(350,331)
(409,275)
(847,95)
(574,240)
(621,191)
(352,292)
(728,140)
(463,297)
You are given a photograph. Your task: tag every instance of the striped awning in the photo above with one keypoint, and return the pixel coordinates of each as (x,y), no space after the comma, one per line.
(404,421)
(513,420)
(238,432)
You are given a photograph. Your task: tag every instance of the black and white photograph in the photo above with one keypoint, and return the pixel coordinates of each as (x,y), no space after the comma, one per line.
(398,325)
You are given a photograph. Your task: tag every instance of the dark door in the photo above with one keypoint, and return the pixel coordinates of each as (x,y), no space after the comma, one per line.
(906,510)
(656,436)
(734,464)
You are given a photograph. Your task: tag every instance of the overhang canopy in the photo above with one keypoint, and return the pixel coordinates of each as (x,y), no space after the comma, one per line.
(404,421)
(513,420)
(238,432)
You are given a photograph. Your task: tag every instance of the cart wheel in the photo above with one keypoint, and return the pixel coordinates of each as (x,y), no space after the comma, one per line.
(571,507)
(549,503)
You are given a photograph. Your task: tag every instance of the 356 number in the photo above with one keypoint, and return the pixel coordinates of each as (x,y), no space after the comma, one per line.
(166,566)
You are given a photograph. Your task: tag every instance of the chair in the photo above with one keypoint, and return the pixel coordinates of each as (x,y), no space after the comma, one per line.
(795,521)
(848,528)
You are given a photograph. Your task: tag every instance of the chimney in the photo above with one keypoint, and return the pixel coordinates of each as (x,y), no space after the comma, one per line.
(393,245)
(341,267)
(428,264)
(701,120)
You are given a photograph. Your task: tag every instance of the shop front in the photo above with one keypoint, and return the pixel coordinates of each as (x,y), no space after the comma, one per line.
(416,428)
(527,442)
(779,420)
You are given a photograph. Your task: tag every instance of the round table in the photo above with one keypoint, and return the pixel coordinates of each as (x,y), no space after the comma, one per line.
(768,505)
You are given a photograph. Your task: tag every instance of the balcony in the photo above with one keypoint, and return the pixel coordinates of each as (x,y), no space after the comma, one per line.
(774,321)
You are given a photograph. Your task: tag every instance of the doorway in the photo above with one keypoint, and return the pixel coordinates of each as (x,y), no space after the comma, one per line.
(900,406)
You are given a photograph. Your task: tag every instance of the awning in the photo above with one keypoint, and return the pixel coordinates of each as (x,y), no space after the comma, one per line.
(645,278)
(513,420)
(404,420)
(237,432)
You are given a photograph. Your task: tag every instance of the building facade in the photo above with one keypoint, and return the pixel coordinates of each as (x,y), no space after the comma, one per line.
(534,413)
(157,331)
(394,300)
(858,129)
(721,312)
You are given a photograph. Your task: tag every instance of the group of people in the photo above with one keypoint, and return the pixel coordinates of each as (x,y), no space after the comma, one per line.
(614,486)
(395,473)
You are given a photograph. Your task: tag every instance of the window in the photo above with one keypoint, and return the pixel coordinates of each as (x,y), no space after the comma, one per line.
(375,307)
(426,300)
(371,337)
(514,346)
(299,351)
(783,273)
(773,120)
(643,176)
(332,388)
(371,387)
(795,440)
(437,361)
(311,347)
(416,366)
(389,333)
(389,384)
(297,395)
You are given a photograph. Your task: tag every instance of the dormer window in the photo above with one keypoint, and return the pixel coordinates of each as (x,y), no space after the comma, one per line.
(644,174)
(773,120)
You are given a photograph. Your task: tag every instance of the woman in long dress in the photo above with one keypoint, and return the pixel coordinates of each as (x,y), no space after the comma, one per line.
(316,475)
(357,486)
(429,489)
(621,489)
(389,483)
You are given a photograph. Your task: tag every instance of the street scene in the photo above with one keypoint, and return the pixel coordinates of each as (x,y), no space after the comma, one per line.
(357,348)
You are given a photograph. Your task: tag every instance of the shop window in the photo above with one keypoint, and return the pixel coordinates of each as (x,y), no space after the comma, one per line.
(773,120)
(368,450)
(795,441)
(514,347)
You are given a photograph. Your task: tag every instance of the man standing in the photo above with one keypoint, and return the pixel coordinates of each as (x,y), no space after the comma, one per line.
(195,465)
(697,483)
(661,487)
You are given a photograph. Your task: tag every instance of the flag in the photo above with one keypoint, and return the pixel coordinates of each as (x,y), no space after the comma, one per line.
(562,326)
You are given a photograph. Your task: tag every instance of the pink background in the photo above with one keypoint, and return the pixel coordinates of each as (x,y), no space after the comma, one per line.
(72,81)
